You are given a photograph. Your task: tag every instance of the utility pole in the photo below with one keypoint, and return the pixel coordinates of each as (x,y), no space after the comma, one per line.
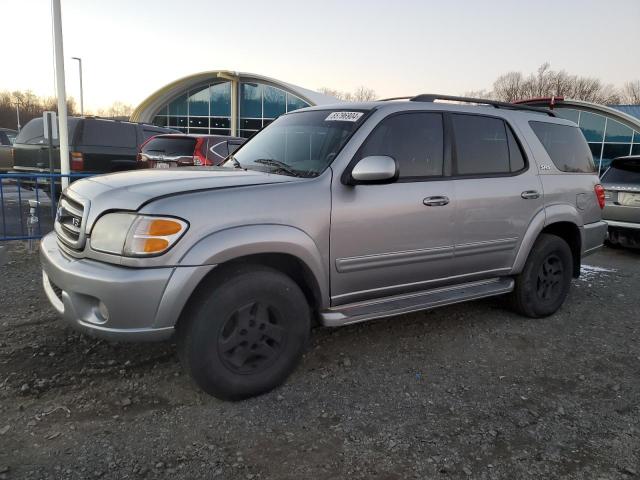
(18,115)
(61,93)
(81,92)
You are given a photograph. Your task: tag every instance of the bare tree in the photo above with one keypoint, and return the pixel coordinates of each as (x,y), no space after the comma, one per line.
(631,93)
(30,106)
(513,86)
(360,94)
(117,109)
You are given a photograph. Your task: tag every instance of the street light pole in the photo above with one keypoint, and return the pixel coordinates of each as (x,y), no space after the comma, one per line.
(18,115)
(61,93)
(81,92)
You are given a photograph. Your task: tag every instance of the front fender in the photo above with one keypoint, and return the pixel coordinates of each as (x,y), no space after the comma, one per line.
(236,242)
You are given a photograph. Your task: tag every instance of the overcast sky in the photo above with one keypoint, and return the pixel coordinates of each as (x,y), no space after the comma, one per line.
(130,48)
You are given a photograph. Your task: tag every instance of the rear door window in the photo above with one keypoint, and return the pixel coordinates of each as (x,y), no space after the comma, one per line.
(482,146)
(414,140)
(566,146)
(109,133)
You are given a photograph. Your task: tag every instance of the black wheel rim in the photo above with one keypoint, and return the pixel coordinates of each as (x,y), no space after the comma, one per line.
(252,338)
(550,276)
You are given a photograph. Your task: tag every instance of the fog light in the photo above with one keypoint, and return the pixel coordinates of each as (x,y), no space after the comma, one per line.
(104,313)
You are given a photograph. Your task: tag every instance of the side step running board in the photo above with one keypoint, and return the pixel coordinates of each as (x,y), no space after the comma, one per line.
(413,302)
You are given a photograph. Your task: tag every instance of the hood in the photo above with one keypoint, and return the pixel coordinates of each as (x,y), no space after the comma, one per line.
(130,190)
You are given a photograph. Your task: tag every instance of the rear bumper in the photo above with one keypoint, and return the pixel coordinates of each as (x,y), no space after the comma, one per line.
(629,225)
(593,236)
(142,304)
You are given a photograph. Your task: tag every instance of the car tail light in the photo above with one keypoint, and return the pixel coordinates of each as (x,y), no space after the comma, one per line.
(77,161)
(198,158)
(600,194)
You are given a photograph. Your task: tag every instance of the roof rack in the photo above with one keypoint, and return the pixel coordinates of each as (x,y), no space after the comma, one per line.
(432,97)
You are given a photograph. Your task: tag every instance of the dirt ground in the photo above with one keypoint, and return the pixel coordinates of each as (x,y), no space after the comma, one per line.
(469,391)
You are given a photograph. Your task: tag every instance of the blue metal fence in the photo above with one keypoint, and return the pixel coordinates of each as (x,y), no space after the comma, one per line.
(28,203)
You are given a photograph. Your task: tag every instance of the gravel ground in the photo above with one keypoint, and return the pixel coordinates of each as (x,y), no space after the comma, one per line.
(469,391)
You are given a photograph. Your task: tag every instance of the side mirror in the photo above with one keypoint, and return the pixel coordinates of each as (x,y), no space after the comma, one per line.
(374,169)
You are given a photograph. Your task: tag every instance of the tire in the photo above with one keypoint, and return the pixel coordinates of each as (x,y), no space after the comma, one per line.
(543,285)
(244,332)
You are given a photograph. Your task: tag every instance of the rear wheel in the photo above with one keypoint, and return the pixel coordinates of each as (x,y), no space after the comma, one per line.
(544,283)
(244,332)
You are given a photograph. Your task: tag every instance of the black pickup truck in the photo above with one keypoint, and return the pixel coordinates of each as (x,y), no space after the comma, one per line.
(96,145)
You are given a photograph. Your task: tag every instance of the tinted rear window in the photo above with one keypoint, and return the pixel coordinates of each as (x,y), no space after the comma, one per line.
(33,132)
(171,146)
(627,172)
(109,134)
(566,147)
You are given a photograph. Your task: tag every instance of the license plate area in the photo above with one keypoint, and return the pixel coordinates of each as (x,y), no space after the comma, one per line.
(629,199)
(164,164)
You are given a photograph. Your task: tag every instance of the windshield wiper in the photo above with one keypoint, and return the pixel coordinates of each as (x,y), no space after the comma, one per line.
(280,166)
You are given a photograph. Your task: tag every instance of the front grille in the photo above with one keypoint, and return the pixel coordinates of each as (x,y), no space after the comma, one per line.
(69,222)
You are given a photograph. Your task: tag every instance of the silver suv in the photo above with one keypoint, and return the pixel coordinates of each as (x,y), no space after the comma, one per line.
(332,215)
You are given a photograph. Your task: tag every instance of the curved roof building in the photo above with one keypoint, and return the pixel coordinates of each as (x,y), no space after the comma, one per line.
(224,103)
(611,133)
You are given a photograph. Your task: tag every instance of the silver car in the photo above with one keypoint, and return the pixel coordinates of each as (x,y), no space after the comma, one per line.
(330,215)
(622,193)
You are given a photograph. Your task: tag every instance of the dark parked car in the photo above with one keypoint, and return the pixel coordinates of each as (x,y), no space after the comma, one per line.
(622,196)
(165,151)
(96,145)
(7,137)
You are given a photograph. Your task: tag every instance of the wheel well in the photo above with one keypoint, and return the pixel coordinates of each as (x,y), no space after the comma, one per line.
(288,264)
(570,233)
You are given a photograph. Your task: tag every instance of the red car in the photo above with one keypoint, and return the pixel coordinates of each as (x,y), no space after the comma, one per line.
(184,150)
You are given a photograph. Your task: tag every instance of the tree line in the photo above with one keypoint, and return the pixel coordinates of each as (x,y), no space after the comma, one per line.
(29,105)
(546,82)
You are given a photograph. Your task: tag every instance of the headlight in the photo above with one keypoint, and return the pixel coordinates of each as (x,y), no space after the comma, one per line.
(134,235)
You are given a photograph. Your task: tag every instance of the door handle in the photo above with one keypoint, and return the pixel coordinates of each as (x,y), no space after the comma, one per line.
(530,194)
(437,201)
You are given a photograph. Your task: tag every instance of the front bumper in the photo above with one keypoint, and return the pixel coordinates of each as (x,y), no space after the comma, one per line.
(143,304)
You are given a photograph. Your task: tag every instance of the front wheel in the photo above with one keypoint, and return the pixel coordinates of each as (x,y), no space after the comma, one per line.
(544,283)
(244,332)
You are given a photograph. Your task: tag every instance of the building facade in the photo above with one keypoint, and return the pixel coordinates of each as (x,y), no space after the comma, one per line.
(610,132)
(224,103)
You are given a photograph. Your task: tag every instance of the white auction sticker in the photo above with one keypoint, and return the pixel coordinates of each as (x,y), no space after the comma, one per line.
(343,117)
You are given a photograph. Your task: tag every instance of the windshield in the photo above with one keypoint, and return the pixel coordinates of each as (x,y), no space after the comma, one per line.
(298,144)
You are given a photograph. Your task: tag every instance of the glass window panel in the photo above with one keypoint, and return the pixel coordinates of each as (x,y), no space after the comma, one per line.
(636,149)
(481,145)
(414,140)
(199,102)
(250,124)
(567,113)
(596,149)
(199,130)
(160,121)
(178,106)
(180,121)
(247,133)
(294,103)
(613,150)
(636,137)
(221,99)
(565,145)
(617,132)
(197,122)
(219,131)
(220,123)
(251,100)
(592,126)
(275,102)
